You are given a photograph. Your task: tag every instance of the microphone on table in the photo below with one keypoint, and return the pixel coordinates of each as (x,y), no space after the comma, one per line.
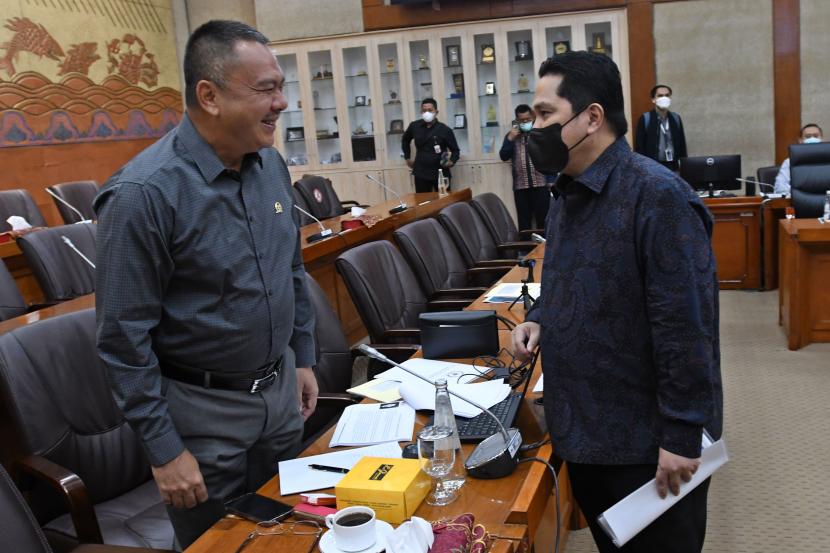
(538,238)
(69,243)
(759,183)
(394,210)
(70,206)
(494,457)
(324,232)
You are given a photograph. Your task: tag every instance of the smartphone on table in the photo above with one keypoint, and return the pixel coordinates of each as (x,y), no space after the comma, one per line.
(258,508)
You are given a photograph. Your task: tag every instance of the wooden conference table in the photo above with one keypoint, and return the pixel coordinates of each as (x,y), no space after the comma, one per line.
(804,297)
(512,508)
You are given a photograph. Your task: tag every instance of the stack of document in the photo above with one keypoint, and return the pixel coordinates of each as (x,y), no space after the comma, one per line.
(421,395)
(297,476)
(506,292)
(374,423)
(384,387)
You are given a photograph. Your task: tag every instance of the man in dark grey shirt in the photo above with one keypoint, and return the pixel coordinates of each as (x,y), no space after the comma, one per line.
(202,308)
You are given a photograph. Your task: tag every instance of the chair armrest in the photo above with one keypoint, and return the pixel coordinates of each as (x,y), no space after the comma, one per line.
(496,270)
(336,399)
(73,490)
(35,306)
(511,246)
(412,333)
(527,232)
(459,293)
(396,352)
(508,263)
(448,305)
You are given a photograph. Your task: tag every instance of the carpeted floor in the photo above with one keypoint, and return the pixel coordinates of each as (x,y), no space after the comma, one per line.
(773,495)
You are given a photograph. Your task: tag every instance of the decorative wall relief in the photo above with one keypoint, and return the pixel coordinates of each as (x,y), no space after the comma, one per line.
(66,78)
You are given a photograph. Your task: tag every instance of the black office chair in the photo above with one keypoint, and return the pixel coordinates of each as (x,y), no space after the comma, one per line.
(473,239)
(809,178)
(79,195)
(500,223)
(12,303)
(19,202)
(767,175)
(62,273)
(321,197)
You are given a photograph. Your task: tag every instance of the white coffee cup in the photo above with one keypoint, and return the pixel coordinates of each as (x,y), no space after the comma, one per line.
(349,536)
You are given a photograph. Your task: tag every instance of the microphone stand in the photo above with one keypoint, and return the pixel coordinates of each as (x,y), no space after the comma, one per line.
(69,243)
(494,457)
(401,207)
(324,232)
(70,206)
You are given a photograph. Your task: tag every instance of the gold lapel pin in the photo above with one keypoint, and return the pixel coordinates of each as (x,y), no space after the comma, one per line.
(278,207)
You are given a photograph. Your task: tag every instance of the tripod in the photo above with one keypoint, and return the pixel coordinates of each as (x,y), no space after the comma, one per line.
(527,299)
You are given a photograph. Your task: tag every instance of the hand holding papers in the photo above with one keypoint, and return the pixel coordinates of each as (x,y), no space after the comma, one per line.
(374,423)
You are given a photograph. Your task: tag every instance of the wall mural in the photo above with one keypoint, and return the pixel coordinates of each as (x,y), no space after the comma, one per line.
(87,70)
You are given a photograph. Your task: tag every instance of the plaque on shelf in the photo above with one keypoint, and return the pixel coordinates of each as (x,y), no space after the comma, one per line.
(393,97)
(458,83)
(460,121)
(488,53)
(524,83)
(293,134)
(422,62)
(360,100)
(490,88)
(491,116)
(453,55)
(561,46)
(523,50)
(396,126)
(390,65)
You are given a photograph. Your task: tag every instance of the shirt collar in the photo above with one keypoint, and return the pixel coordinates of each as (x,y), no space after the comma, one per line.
(596,175)
(203,154)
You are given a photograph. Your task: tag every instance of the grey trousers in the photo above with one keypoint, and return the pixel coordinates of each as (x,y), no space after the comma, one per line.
(237,438)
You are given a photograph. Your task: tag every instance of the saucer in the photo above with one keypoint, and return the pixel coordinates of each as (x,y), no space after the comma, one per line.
(382,529)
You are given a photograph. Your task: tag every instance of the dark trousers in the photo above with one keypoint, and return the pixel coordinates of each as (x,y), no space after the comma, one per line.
(681,529)
(429,185)
(532,204)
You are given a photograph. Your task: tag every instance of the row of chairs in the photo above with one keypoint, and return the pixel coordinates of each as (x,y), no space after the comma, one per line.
(78,194)
(441,265)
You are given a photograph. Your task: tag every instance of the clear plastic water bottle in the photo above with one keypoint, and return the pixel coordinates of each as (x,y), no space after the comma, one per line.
(827,206)
(445,417)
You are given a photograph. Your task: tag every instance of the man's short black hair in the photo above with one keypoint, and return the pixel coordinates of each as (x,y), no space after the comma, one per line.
(807,126)
(430,101)
(522,108)
(209,53)
(655,87)
(589,78)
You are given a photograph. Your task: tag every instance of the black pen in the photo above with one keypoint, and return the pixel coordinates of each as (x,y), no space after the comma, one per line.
(327,468)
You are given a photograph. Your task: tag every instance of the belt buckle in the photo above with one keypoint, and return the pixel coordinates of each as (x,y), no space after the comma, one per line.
(262,383)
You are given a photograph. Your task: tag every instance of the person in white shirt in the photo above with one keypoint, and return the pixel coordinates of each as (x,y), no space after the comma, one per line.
(810,134)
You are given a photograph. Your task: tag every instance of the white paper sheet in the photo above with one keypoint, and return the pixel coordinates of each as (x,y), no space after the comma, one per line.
(421,395)
(374,423)
(433,370)
(506,292)
(296,476)
(632,514)
(540,384)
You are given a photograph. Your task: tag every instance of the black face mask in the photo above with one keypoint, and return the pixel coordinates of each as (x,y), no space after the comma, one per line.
(546,149)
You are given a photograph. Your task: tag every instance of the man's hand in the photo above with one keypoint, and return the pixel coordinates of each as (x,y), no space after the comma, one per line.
(671,469)
(514,132)
(307,391)
(180,482)
(410,163)
(449,164)
(525,340)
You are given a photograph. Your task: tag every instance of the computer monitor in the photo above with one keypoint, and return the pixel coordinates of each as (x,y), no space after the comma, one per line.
(712,172)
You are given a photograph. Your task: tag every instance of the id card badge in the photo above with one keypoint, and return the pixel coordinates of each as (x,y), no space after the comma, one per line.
(669,155)
(437,149)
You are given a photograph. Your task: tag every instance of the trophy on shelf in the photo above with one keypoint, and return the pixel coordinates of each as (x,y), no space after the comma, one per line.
(453,55)
(491,116)
(458,84)
(599,44)
(422,61)
(393,97)
(390,65)
(523,50)
(524,83)
(561,46)
(488,54)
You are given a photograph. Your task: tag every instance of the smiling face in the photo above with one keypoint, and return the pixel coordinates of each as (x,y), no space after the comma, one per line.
(249,104)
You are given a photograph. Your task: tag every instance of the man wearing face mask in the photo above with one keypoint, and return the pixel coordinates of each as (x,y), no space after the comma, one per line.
(660,134)
(530,187)
(810,134)
(627,318)
(435,147)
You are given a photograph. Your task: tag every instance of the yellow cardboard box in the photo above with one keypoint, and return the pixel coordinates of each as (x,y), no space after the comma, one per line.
(392,487)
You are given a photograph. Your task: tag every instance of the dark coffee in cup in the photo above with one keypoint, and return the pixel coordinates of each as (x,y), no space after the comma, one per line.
(354,519)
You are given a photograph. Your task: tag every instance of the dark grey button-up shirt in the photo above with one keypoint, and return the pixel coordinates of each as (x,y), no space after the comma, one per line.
(197,265)
(629,314)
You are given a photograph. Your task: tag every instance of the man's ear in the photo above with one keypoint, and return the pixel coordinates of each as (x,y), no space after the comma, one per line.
(206,96)
(596,118)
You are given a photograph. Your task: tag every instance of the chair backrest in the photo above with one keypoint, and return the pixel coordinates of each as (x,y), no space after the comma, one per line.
(382,287)
(432,255)
(320,196)
(78,194)
(299,201)
(19,202)
(12,303)
(57,399)
(767,175)
(496,217)
(469,233)
(60,271)
(809,178)
(19,529)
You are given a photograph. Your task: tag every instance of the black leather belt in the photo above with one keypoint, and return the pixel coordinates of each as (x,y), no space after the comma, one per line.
(252,381)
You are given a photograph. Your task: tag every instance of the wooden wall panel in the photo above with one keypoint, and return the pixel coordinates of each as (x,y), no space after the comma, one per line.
(786,33)
(641,65)
(36,167)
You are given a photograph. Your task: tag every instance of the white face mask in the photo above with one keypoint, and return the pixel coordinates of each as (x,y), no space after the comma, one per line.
(428,116)
(663,102)
(812,140)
